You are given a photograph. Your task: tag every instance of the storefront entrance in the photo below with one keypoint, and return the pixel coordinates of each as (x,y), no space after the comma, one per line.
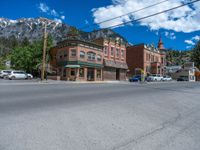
(117,74)
(90,74)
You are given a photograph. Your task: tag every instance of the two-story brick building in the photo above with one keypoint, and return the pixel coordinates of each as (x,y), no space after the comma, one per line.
(146,59)
(114,54)
(75,59)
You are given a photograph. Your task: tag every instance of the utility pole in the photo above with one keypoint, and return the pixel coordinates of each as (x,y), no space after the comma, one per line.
(44,53)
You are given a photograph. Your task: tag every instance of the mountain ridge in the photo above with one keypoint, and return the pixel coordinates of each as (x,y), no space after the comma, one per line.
(32,28)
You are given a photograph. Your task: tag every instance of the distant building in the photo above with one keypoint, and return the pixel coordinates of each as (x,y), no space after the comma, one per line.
(172,69)
(115,66)
(187,72)
(146,59)
(74,59)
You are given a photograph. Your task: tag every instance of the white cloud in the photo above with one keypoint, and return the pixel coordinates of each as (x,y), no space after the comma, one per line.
(190,42)
(57,20)
(54,13)
(43,7)
(170,35)
(86,22)
(188,47)
(62,17)
(51,12)
(185,19)
(196,38)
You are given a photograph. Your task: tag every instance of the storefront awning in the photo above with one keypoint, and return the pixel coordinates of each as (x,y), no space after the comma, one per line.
(115,64)
(72,66)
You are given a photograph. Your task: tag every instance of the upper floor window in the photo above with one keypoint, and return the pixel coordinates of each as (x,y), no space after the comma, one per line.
(82,54)
(106,50)
(122,53)
(117,52)
(73,52)
(112,51)
(59,55)
(65,53)
(91,56)
(99,57)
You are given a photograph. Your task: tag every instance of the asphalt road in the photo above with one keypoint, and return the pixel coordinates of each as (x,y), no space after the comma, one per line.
(160,116)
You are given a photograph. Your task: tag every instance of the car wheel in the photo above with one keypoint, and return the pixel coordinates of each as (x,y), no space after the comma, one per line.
(12,78)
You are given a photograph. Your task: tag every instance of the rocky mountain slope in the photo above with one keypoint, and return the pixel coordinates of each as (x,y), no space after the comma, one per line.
(32,28)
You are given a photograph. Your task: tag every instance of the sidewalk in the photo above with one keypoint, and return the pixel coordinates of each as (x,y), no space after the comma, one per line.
(80,82)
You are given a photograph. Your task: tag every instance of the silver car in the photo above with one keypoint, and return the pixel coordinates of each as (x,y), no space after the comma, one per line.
(4,73)
(17,75)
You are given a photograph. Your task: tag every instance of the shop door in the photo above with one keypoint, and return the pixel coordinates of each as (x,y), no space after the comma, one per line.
(90,74)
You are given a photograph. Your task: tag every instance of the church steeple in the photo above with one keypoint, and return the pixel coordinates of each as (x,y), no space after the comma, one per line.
(161,44)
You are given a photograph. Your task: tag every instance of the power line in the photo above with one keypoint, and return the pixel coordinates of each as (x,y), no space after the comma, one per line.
(126,14)
(124,23)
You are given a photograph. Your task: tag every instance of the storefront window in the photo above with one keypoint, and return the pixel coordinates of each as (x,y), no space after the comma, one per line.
(98,73)
(73,72)
(81,72)
(64,72)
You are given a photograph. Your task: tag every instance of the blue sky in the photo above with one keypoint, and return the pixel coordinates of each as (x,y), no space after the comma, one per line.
(180,32)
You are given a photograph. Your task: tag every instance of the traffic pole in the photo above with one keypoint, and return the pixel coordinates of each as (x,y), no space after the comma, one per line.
(44,53)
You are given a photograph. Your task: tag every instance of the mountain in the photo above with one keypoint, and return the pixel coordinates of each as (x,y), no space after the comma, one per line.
(32,28)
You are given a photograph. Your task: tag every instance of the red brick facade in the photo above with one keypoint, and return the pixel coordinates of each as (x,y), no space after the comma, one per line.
(77,60)
(115,67)
(145,59)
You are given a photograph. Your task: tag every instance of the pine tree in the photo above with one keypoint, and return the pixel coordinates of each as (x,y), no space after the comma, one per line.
(195,55)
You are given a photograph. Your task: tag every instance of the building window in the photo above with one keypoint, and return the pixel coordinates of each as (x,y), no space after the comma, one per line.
(65,53)
(72,72)
(99,58)
(81,72)
(112,51)
(73,52)
(147,57)
(106,50)
(82,54)
(162,60)
(122,53)
(98,73)
(59,55)
(117,52)
(91,56)
(64,72)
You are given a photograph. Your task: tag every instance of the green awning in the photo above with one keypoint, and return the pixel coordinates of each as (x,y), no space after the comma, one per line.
(72,66)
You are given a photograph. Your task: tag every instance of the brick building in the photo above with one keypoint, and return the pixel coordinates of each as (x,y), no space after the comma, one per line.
(146,59)
(74,59)
(115,66)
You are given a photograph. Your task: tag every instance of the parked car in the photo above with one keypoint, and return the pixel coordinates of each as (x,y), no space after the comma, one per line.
(29,76)
(19,75)
(154,77)
(135,79)
(182,78)
(166,78)
(4,73)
